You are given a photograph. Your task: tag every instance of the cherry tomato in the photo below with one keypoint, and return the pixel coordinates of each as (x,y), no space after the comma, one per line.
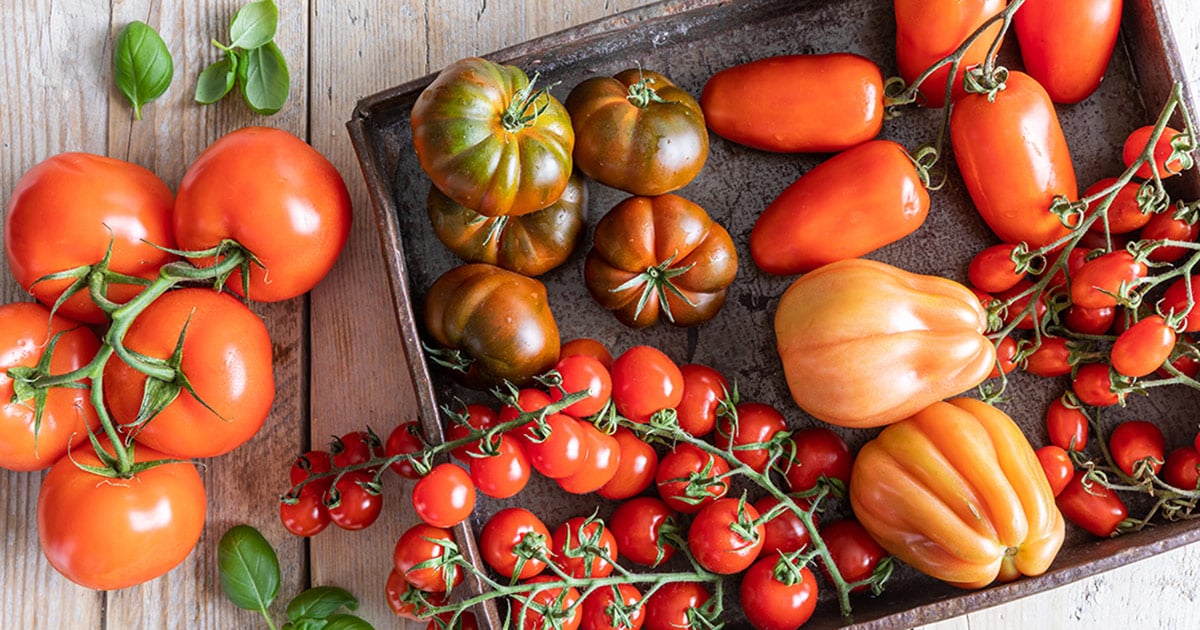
(1051,358)
(704,389)
(354,448)
(1175,300)
(673,606)
(305,515)
(773,604)
(1144,347)
(405,439)
(584,547)
(1069,67)
(1135,441)
(476,416)
(445,497)
(1124,213)
(1096,508)
(549,607)
(688,478)
(1067,425)
(1162,162)
(1018,299)
(515,536)
(640,527)
(579,373)
(559,450)
(1167,226)
(359,500)
(504,473)
(529,400)
(784,533)
(818,452)
(300,205)
(1089,321)
(1182,468)
(1057,465)
(1006,357)
(88,203)
(588,346)
(409,602)
(600,464)
(309,464)
(422,544)
(993,269)
(446,621)
(1098,282)
(854,552)
(752,423)
(635,469)
(596,608)
(645,380)
(1093,385)
(716,540)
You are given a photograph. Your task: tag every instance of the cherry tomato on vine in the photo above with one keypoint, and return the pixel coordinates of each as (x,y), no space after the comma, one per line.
(405,439)
(723,537)
(688,477)
(1163,164)
(1182,468)
(1067,425)
(1144,347)
(1006,357)
(1019,310)
(503,473)
(785,532)
(1098,282)
(311,463)
(993,269)
(1124,214)
(529,399)
(1096,509)
(640,527)
(818,452)
(1089,321)
(446,621)
(772,604)
(560,449)
(704,389)
(551,607)
(359,500)
(584,547)
(635,469)
(409,602)
(588,346)
(596,614)
(579,373)
(752,423)
(600,464)
(854,552)
(645,380)
(1167,226)
(354,448)
(1135,441)
(672,606)
(515,536)
(1093,385)
(306,515)
(476,416)
(1057,465)
(422,544)
(1069,67)
(445,497)
(1051,358)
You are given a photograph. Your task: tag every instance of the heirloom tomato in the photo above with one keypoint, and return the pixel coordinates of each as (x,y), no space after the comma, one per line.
(637,132)
(957,492)
(853,203)
(67,211)
(276,196)
(500,321)
(490,141)
(1068,66)
(839,327)
(775,600)
(768,103)
(226,358)
(29,439)
(660,258)
(529,244)
(928,30)
(1092,506)
(108,533)
(1014,195)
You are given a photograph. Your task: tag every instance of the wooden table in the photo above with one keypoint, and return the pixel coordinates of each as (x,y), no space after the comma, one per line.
(339,365)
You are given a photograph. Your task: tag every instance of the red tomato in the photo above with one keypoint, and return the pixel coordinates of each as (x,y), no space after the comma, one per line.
(596,608)
(1175,300)
(687,478)
(818,452)
(88,203)
(1006,357)
(445,497)
(635,469)
(639,526)
(751,423)
(306,514)
(1057,465)
(1163,162)
(1051,358)
(528,400)
(854,552)
(703,391)
(584,547)
(851,204)
(993,269)
(588,346)
(27,442)
(446,621)
(421,553)
(600,465)
(1018,309)
(1144,347)
(310,464)
(112,533)
(928,30)
(405,439)
(784,533)
(1182,468)
(1093,385)
(1124,214)
(558,451)
(504,473)
(1014,196)
(1089,321)
(549,607)
(1099,281)
(1096,508)
(300,205)
(645,380)
(1067,425)
(716,540)
(668,607)
(1134,441)
(771,603)
(476,416)
(408,602)
(359,500)
(583,373)
(515,536)
(1168,226)
(1068,66)
(227,359)
(354,448)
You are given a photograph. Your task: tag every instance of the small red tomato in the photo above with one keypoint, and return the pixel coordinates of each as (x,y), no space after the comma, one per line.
(514,541)
(1099,281)
(1089,321)
(584,547)
(1067,425)
(854,552)
(993,269)
(473,416)
(1182,468)
(559,448)
(1175,300)
(751,424)
(310,464)
(1093,385)
(1144,347)
(1006,357)
(599,606)
(1167,226)
(704,389)
(667,608)
(1051,358)
(1096,508)
(772,602)
(687,478)
(354,448)
(1163,161)
(640,527)
(357,500)
(600,464)
(818,452)
(405,439)
(421,555)
(581,372)
(588,346)
(635,469)
(1056,463)
(405,600)
(784,533)
(1124,214)
(548,607)
(306,515)
(504,473)
(1136,441)
(645,380)
(723,538)
(1018,309)
(445,497)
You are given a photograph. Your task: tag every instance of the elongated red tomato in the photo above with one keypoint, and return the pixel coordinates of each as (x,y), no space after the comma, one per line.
(928,30)
(1014,195)
(1066,44)
(853,203)
(768,104)
(1143,347)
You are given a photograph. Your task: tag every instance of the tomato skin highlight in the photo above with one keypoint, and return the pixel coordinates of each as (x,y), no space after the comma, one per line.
(851,204)
(1068,66)
(767,104)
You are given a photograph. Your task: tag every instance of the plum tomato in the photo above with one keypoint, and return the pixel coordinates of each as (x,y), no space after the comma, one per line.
(1136,441)
(1182,468)
(1069,67)
(993,269)
(1164,160)
(1143,347)
(1093,385)
(1124,214)
(1050,358)
(1173,226)
(1099,281)
(1067,425)
(928,30)
(1093,507)
(1057,465)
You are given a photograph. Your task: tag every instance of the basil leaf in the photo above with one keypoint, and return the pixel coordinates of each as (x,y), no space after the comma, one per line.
(348,622)
(320,602)
(249,568)
(143,65)
(254,25)
(217,80)
(263,74)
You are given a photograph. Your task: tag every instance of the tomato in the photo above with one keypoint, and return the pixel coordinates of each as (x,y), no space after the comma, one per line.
(1180,298)
(766,104)
(29,442)
(1175,226)
(723,536)
(1182,468)
(409,602)
(300,204)
(635,470)
(356,500)
(957,492)
(1050,358)
(1144,347)
(499,319)
(785,532)
(227,358)
(704,390)
(1006,357)
(405,439)
(1093,385)
(354,448)
(310,464)
(1014,196)
(503,473)
(599,608)
(1067,425)
(110,533)
(588,346)
(638,132)
(584,547)
(675,606)
(645,380)
(928,30)
(751,423)
(562,451)
(660,258)
(817,452)
(1164,162)
(600,464)
(490,141)
(529,244)
(445,497)
(67,211)
(548,607)
(421,553)
(1017,309)
(837,329)
(476,416)
(515,542)
(1124,213)
(305,514)
(642,527)
(774,604)
(993,269)
(855,553)
(688,478)
(447,621)
(1094,507)
(1057,465)
(1069,67)
(1136,441)
(851,204)
(583,373)
(529,399)
(1100,281)
(1089,321)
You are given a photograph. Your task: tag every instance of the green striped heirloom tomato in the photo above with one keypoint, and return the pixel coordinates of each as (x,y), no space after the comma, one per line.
(928,30)
(490,140)
(1068,65)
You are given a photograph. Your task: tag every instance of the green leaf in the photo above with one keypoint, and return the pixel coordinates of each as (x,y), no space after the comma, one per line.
(249,568)
(348,622)
(217,80)
(254,25)
(263,74)
(143,65)
(320,602)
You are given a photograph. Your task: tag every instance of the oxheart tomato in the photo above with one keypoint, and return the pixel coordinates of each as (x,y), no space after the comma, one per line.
(957,492)
(499,319)
(638,132)
(226,357)
(928,30)
(1069,67)
(490,141)
(276,196)
(853,203)
(658,258)
(108,533)
(67,211)
(28,442)
(837,329)
(767,104)
(1014,195)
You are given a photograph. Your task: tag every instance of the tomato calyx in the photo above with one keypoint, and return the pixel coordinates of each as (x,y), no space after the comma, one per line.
(656,282)
(641,95)
(984,80)
(525,107)
(447,563)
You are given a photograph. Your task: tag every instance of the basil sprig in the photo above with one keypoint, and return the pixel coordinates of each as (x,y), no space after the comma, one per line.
(252,61)
(143,65)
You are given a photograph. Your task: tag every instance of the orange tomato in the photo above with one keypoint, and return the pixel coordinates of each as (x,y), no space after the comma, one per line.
(1069,66)
(928,30)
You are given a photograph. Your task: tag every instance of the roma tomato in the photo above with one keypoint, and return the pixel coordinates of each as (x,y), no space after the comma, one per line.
(635,470)
(108,533)
(1066,425)
(817,452)
(766,104)
(854,552)
(1050,358)
(1093,385)
(1176,226)
(1143,347)
(674,606)
(300,205)
(1136,443)
(1099,282)
(645,380)
(928,30)
(638,132)
(1057,465)
(598,608)
(643,527)
(501,320)
(750,424)
(851,204)
(1069,67)
(957,492)
(584,547)
(504,472)
(704,390)
(724,538)
(688,478)
(1093,507)
(225,355)
(421,553)
(515,543)
(67,211)
(1089,321)
(772,602)
(993,269)
(444,497)
(837,329)
(1124,213)
(1020,123)
(29,442)
(490,141)
(1182,468)
(658,258)
(1163,159)
(1181,298)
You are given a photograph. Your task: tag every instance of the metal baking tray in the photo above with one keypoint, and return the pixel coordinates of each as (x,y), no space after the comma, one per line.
(689,40)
